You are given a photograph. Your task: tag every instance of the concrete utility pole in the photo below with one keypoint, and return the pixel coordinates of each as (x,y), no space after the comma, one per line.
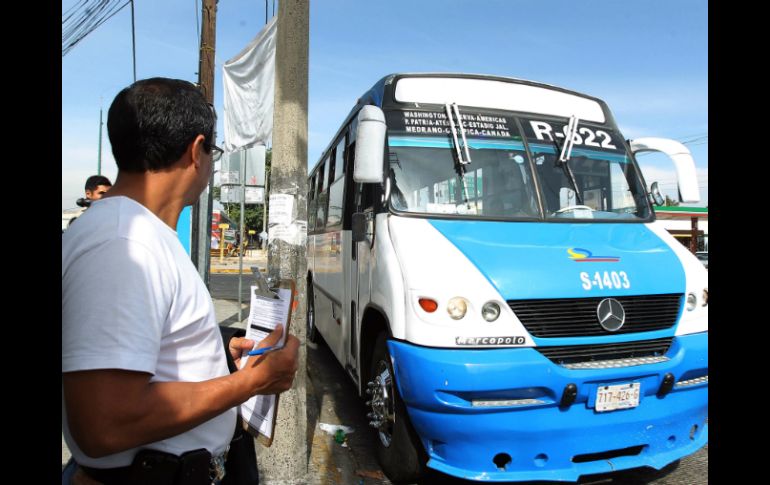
(200,238)
(288,226)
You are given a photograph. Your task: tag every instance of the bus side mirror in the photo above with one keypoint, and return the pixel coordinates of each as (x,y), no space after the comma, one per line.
(370,146)
(655,196)
(683,161)
(358,229)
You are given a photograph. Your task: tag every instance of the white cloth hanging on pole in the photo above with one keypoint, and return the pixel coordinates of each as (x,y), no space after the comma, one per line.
(249,87)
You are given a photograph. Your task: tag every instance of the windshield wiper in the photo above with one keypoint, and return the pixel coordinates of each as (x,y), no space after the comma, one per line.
(453,111)
(566,151)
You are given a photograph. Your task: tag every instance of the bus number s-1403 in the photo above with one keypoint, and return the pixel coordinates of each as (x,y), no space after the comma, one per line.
(606,279)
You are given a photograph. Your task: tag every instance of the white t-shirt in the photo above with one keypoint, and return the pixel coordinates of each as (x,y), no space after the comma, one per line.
(132,299)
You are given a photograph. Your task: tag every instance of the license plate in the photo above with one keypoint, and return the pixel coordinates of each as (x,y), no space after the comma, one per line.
(621,396)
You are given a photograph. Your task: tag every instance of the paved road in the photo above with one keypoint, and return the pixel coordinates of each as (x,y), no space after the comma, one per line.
(332,399)
(225,287)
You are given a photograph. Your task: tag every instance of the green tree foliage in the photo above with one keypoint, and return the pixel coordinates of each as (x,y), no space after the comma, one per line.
(670,202)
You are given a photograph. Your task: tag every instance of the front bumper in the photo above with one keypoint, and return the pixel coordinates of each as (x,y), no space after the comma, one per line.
(543,440)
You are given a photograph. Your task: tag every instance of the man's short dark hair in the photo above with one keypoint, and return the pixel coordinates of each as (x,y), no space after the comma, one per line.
(96,180)
(151,123)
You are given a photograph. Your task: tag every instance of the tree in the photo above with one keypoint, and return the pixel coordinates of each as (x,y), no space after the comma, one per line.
(670,202)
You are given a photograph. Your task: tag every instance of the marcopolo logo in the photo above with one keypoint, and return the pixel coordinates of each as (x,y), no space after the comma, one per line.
(510,340)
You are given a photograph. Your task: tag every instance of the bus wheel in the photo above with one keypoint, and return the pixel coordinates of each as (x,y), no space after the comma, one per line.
(312,331)
(399,450)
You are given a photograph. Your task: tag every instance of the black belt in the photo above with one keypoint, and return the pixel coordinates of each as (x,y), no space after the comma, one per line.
(152,467)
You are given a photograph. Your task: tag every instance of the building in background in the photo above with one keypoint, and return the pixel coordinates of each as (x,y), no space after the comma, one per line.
(684,223)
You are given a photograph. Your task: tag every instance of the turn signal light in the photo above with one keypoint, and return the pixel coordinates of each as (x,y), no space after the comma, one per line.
(428,305)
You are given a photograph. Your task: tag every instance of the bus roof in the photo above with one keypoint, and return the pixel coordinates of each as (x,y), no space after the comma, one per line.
(382,95)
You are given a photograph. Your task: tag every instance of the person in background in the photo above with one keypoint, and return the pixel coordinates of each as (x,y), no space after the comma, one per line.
(96,187)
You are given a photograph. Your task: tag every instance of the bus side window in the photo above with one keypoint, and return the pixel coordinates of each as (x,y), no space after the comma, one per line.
(339,160)
(323,195)
(336,186)
(311,203)
(331,166)
(336,192)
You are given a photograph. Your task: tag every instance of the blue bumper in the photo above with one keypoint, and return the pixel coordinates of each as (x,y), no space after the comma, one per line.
(542,440)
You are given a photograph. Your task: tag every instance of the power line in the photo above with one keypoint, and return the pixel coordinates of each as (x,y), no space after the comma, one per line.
(71,11)
(697,140)
(85,17)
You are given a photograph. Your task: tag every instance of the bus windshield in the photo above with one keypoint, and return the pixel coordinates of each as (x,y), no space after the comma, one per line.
(424,177)
(596,181)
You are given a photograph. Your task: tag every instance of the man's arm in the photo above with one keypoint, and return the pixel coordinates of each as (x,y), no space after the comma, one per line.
(112,410)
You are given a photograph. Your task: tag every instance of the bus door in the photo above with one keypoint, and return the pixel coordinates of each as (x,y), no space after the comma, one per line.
(360,266)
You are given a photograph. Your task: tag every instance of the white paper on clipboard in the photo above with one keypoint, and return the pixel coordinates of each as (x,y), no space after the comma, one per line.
(264,315)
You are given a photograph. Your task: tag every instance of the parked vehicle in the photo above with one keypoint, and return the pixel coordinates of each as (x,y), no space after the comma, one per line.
(483,262)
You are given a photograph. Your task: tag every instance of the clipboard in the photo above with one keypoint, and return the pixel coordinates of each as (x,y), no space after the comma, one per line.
(259,413)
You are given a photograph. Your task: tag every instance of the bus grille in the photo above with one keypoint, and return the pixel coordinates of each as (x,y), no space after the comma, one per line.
(576,317)
(574,354)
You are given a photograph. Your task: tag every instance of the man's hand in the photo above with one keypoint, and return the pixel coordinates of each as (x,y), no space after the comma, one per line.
(239,347)
(273,372)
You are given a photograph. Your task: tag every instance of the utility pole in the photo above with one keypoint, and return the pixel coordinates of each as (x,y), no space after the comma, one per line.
(288,228)
(99,158)
(200,242)
(133,38)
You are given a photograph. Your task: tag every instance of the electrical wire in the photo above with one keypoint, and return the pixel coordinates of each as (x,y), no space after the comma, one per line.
(691,140)
(85,17)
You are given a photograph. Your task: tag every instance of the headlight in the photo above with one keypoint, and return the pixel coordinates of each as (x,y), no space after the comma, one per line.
(705,297)
(490,311)
(691,301)
(457,307)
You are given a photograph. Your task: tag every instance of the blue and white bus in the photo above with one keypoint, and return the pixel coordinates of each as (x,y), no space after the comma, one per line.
(484,262)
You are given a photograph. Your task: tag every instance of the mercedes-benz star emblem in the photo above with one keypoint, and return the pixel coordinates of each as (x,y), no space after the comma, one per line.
(611,314)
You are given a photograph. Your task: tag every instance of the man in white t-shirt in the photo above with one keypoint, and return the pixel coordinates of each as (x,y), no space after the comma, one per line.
(143,361)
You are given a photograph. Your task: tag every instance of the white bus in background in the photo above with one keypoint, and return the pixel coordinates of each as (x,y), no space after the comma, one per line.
(483,262)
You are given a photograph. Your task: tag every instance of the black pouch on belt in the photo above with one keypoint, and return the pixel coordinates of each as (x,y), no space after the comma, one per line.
(194,468)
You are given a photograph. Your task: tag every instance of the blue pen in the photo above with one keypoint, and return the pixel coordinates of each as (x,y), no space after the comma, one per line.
(264,349)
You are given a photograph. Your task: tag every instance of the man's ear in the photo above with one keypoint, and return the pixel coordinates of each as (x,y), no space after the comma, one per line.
(196,150)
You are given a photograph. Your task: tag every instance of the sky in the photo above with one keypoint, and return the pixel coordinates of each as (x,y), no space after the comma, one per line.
(648,59)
